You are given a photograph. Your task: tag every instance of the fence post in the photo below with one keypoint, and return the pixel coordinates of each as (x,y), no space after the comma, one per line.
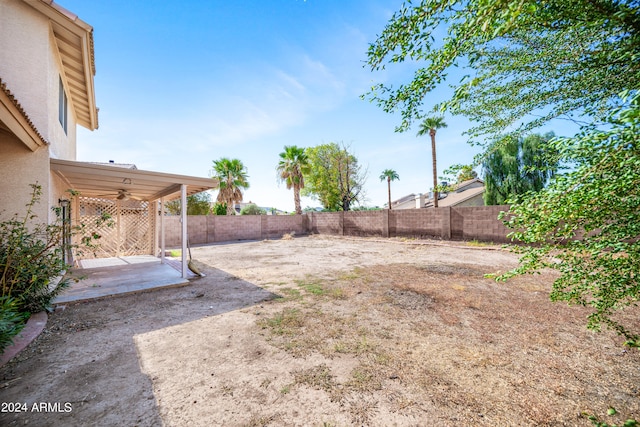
(263,227)
(341,222)
(309,216)
(385,222)
(445,220)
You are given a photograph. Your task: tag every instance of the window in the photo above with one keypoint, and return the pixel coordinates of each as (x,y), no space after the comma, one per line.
(62,107)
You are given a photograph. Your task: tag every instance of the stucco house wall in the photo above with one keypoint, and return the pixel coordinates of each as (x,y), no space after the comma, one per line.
(477,200)
(31,69)
(20,167)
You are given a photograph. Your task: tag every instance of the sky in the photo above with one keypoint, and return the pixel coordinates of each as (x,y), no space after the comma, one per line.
(182,83)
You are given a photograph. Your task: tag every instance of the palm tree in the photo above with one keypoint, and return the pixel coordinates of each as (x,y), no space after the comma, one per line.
(389,175)
(292,166)
(232,176)
(431,125)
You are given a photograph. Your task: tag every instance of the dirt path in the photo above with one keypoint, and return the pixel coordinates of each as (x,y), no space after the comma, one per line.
(324,331)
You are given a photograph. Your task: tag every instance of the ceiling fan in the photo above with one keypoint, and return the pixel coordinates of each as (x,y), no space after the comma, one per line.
(122,194)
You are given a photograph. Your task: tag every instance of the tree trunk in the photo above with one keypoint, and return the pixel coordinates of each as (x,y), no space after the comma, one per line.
(432,133)
(389,190)
(296,199)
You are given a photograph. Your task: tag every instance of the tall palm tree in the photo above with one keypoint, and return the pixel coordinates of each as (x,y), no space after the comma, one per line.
(431,125)
(232,176)
(292,166)
(389,175)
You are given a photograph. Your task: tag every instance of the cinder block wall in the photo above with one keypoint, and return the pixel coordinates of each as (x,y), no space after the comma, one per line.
(327,222)
(463,223)
(363,223)
(417,223)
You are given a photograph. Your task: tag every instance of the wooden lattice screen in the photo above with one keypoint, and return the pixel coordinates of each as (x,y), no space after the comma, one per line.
(132,229)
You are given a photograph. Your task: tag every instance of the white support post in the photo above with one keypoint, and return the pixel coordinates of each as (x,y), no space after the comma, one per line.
(162,243)
(183,219)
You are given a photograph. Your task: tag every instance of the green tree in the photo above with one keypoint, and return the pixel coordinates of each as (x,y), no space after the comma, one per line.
(527,61)
(292,166)
(389,175)
(431,125)
(335,177)
(586,223)
(197,204)
(530,62)
(466,173)
(252,209)
(517,166)
(232,175)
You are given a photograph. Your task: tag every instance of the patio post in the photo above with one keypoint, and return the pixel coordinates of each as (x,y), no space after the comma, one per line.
(183,219)
(162,243)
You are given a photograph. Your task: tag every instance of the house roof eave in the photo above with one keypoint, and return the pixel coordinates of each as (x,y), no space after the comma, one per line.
(74,42)
(16,121)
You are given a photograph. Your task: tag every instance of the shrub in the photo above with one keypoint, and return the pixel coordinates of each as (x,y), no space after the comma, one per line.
(252,209)
(219,209)
(31,257)
(11,321)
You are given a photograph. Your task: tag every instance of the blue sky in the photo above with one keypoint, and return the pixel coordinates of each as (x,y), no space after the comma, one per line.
(180,84)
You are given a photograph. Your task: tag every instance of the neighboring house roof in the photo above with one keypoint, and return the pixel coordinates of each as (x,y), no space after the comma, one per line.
(403,199)
(14,118)
(456,197)
(458,194)
(464,185)
(74,41)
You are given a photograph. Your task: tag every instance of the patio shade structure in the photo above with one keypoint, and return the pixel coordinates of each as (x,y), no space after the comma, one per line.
(97,180)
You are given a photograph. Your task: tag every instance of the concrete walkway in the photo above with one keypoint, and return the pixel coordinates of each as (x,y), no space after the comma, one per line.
(112,276)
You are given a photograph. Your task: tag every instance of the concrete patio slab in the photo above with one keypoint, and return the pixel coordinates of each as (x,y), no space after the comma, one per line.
(119,277)
(109,262)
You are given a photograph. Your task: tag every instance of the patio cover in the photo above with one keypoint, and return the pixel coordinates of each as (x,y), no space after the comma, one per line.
(93,180)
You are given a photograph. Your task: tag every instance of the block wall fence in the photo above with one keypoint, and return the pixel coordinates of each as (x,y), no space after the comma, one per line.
(449,223)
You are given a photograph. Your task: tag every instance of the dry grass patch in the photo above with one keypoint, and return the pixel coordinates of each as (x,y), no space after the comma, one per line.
(442,338)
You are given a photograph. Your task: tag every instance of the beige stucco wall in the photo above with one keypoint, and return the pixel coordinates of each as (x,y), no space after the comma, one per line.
(20,167)
(31,68)
(476,200)
(29,65)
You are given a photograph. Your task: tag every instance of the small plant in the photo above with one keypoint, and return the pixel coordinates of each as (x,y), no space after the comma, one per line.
(11,321)
(290,294)
(478,243)
(284,323)
(312,288)
(611,412)
(285,390)
(219,209)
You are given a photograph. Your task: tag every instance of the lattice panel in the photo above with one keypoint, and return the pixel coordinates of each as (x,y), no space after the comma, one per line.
(135,229)
(132,231)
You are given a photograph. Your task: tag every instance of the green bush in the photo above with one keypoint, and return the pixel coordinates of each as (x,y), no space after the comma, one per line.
(219,209)
(252,209)
(11,321)
(31,257)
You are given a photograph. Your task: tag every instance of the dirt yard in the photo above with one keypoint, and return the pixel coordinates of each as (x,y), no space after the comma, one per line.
(325,331)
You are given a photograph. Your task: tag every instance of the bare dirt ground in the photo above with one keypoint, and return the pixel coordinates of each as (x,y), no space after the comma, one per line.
(324,331)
